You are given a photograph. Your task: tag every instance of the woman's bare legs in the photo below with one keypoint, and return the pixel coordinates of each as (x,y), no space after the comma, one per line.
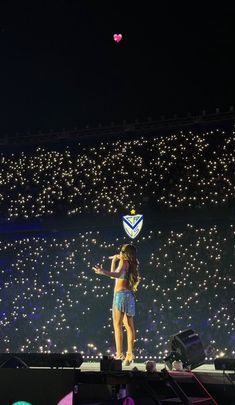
(118,333)
(128,322)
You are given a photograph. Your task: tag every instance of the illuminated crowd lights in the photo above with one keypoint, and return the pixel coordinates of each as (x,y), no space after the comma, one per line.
(185,169)
(51,301)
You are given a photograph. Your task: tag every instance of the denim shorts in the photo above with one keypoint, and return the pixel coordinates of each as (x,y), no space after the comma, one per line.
(124,301)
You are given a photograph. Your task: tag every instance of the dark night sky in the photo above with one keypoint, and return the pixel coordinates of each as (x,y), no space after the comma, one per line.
(61,68)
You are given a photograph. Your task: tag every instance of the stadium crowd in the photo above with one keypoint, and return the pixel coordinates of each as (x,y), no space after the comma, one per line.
(50,300)
(183,170)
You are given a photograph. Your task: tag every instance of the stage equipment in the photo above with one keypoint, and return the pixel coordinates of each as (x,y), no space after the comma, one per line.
(196,394)
(110,364)
(51,360)
(224,364)
(13,362)
(186,347)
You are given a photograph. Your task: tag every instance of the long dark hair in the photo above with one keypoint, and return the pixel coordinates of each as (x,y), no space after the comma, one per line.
(129,254)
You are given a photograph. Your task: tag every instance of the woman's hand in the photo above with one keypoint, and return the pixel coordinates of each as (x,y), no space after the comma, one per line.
(115,257)
(98,269)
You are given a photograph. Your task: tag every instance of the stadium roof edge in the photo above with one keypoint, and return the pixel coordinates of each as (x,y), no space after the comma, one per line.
(114,130)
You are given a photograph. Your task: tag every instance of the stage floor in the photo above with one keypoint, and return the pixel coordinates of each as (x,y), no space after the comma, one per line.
(95,366)
(205,373)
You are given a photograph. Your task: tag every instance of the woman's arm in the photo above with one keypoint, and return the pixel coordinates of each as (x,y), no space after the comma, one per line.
(113,262)
(114,274)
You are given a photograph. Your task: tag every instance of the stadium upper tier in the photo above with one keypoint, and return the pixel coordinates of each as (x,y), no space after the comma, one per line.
(184,169)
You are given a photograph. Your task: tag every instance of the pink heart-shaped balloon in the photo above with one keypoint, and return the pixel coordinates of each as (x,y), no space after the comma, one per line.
(117,37)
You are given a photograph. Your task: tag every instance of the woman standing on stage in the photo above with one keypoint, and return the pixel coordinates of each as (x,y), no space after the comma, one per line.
(127,280)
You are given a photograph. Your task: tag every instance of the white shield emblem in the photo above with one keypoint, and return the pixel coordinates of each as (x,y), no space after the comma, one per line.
(133,224)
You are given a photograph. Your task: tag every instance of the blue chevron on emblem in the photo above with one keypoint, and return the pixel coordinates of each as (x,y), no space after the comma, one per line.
(133,224)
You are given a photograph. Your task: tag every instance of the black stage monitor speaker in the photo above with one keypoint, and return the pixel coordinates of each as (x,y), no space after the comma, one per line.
(51,360)
(187,347)
(224,364)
